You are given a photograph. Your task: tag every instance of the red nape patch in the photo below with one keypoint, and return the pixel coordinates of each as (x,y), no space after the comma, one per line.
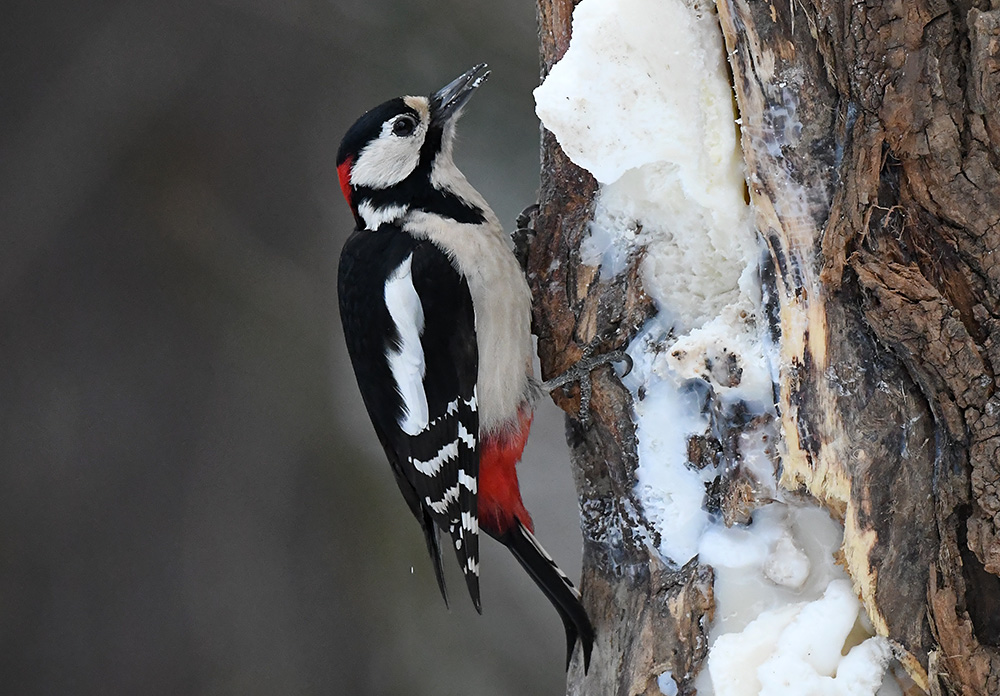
(499,495)
(344,173)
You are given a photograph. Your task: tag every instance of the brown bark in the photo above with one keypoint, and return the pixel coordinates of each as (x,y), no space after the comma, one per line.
(871,133)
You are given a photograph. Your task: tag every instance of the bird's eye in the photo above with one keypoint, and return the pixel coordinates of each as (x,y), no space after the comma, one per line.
(404,126)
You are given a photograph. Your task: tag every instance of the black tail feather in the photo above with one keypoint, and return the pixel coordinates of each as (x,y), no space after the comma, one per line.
(468,554)
(467,550)
(434,549)
(472,582)
(556,586)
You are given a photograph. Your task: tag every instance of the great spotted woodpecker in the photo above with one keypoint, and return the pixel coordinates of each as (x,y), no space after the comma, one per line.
(436,313)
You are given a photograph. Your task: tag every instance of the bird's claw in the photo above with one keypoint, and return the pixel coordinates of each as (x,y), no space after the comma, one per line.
(580,372)
(524,234)
(526,219)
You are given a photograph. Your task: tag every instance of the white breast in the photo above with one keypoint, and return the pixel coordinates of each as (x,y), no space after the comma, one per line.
(502,303)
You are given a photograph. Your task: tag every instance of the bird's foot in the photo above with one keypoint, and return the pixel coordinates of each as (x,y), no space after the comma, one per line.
(580,372)
(524,234)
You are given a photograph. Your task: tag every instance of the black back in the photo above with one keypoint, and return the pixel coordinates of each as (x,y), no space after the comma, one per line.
(451,367)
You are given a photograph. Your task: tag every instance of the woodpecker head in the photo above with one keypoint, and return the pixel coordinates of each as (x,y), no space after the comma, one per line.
(397,158)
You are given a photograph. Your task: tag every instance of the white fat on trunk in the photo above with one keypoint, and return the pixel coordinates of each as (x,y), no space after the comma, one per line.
(798,649)
(653,74)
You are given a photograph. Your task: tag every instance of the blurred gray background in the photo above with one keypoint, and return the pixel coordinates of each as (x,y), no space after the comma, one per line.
(192,500)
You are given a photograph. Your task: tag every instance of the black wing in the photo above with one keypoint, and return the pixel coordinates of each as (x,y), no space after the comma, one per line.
(428,424)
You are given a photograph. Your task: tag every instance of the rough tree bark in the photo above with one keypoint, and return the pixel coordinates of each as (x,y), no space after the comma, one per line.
(871,132)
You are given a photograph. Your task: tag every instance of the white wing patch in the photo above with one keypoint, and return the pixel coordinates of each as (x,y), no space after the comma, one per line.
(406,362)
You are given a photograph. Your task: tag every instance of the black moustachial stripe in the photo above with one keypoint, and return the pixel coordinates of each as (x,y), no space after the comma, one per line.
(420,196)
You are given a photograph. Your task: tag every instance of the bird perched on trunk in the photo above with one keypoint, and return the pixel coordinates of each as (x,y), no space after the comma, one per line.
(437,313)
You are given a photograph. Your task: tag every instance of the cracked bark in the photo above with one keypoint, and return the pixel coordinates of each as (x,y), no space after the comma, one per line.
(871,133)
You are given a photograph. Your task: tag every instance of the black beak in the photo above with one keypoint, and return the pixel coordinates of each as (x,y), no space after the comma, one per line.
(449,100)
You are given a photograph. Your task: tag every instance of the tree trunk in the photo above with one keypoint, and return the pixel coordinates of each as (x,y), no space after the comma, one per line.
(871,134)
(648,618)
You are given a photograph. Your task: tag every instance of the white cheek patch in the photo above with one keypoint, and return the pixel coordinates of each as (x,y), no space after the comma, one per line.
(406,362)
(388,159)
